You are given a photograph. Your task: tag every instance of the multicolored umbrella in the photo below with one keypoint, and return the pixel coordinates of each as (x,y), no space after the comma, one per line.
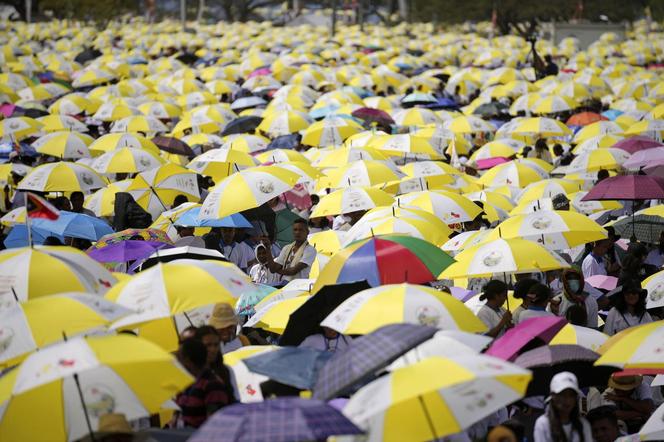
(376,259)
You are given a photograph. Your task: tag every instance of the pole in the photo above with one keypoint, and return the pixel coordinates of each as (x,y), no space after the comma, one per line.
(335,5)
(183,13)
(28,11)
(85,409)
(27,220)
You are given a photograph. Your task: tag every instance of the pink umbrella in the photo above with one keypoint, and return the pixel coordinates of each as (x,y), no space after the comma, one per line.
(628,187)
(645,158)
(7,109)
(488,163)
(529,334)
(635,144)
(260,71)
(603,282)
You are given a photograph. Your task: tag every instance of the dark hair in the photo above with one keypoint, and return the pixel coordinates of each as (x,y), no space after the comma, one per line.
(492,289)
(300,221)
(517,428)
(76,194)
(603,412)
(52,241)
(180,199)
(541,293)
(195,351)
(631,286)
(218,366)
(556,426)
(576,315)
(522,286)
(602,174)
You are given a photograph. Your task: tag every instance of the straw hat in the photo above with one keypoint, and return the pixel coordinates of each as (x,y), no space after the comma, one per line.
(113,424)
(625,383)
(223,316)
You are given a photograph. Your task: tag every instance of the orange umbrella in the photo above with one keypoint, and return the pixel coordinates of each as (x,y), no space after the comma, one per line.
(584,118)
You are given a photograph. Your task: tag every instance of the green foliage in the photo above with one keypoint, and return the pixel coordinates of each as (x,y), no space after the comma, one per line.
(94,10)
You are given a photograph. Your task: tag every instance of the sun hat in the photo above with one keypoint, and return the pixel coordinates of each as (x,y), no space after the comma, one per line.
(222,316)
(114,424)
(625,383)
(501,433)
(564,381)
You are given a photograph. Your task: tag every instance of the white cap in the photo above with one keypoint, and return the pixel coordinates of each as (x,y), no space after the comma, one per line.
(563,381)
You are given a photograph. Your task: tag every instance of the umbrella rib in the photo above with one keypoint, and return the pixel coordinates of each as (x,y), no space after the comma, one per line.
(428,416)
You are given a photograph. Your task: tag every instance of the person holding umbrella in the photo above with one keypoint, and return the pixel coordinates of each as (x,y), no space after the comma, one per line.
(492,314)
(562,420)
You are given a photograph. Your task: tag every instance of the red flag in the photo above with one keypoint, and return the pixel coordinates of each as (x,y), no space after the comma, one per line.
(38,207)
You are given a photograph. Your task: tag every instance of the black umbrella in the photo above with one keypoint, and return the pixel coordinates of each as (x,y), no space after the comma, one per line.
(545,362)
(185,252)
(173,145)
(305,321)
(86,55)
(28,112)
(290,141)
(242,125)
(493,109)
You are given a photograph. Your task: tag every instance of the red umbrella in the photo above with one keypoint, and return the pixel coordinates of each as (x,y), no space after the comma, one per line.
(584,118)
(627,187)
(634,144)
(371,115)
(529,334)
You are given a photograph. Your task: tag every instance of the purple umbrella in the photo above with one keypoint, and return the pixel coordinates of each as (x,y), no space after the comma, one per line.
(528,334)
(287,419)
(629,187)
(365,356)
(371,115)
(645,159)
(128,250)
(635,144)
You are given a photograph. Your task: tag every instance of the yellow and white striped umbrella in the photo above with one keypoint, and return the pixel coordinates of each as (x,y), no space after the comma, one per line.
(415,403)
(351,199)
(512,173)
(73,104)
(373,308)
(274,316)
(102,202)
(639,348)
(548,188)
(114,111)
(415,117)
(138,123)
(247,189)
(156,188)
(18,128)
(577,335)
(555,230)
(449,207)
(553,104)
(608,159)
(284,123)
(434,232)
(503,256)
(109,142)
(160,109)
(331,131)
(62,177)
(597,128)
(547,127)
(246,143)
(419,169)
(590,207)
(596,142)
(465,240)
(221,162)
(468,124)
(360,173)
(55,123)
(126,160)
(281,156)
(342,156)
(403,145)
(646,126)
(64,145)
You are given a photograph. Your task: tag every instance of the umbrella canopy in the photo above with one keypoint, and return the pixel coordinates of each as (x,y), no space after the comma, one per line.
(75,225)
(636,350)
(636,144)
(375,260)
(62,177)
(242,125)
(276,420)
(247,383)
(627,187)
(34,324)
(528,334)
(583,336)
(64,145)
(371,309)
(73,383)
(126,160)
(27,273)
(645,228)
(653,429)
(128,250)
(365,356)
(351,199)
(306,320)
(294,366)
(416,403)
(173,145)
(547,361)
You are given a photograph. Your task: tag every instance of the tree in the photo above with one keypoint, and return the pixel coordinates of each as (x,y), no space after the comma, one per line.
(244,10)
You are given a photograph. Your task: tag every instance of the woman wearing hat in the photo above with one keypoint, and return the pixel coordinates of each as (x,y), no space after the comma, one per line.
(629,308)
(225,321)
(562,420)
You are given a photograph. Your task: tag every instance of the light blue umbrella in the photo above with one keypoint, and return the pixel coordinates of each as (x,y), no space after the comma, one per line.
(247,301)
(18,236)
(190,219)
(74,225)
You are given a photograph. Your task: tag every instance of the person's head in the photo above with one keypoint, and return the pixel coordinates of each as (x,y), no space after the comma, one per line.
(315,199)
(227,235)
(210,338)
(624,385)
(611,232)
(601,247)
(631,298)
(604,423)
(495,293)
(192,354)
(573,281)
(638,251)
(52,241)
(501,433)
(564,389)
(62,203)
(77,199)
(184,231)
(180,199)
(329,333)
(577,315)
(300,230)
(548,58)
(522,286)
(261,253)
(188,332)
(560,202)
(602,174)
(540,145)
(225,321)
(539,295)
(558,150)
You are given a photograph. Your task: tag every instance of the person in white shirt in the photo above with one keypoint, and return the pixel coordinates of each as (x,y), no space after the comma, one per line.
(538,298)
(562,419)
(594,264)
(574,293)
(328,340)
(296,258)
(232,250)
(656,255)
(259,272)
(492,314)
(629,308)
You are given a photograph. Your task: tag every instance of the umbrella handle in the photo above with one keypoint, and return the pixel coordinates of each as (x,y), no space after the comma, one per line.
(85,409)
(428,417)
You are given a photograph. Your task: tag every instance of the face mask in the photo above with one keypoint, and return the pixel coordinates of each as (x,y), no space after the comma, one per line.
(574,285)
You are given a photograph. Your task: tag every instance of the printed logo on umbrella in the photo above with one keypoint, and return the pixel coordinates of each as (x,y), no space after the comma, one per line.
(265,186)
(99,400)
(541,223)
(6,338)
(427,315)
(492,258)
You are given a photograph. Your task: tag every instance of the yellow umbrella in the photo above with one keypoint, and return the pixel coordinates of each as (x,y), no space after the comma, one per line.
(18,128)
(351,199)
(360,173)
(274,316)
(64,145)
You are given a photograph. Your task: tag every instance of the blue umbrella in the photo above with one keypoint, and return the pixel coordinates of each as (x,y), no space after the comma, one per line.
(18,236)
(323,112)
(612,114)
(285,419)
(294,366)
(367,355)
(247,301)
(75,225)
(190,219)
(290,141)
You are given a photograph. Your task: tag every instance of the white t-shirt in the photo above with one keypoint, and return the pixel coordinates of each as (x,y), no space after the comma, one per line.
(491,317)
(592,266)
(528,313)
(308,257)
(236,254)
(616,322)
(591,309)
(542,431)
(260,274)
